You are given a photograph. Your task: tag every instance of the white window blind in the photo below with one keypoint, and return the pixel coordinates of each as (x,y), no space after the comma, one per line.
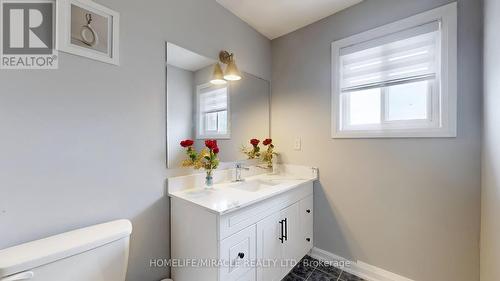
(402,57)
(213,100)
(213,108)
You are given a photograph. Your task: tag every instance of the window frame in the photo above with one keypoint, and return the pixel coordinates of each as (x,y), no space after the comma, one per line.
(431,121)
(443,90)
(204,135)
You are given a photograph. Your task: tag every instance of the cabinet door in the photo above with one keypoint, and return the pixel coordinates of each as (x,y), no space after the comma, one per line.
(269,249)
(292,246)
(306,224)
(237,252)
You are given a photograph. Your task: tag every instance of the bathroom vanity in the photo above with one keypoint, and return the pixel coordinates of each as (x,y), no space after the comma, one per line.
(251,230)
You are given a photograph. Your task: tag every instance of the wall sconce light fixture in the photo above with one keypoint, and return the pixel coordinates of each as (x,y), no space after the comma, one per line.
(218,75)
(232,72)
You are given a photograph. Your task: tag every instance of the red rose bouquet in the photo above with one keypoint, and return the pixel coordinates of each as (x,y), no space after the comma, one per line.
(207,158)
(254,151)
(268,154)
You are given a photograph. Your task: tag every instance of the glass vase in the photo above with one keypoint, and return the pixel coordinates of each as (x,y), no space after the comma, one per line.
(209,180)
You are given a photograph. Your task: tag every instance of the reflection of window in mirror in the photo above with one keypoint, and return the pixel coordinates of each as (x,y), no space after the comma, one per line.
(212,112)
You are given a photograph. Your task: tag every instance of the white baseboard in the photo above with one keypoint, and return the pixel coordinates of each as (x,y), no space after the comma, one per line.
(359,268)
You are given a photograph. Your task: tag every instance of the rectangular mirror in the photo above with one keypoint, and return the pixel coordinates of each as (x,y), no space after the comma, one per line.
(232,113)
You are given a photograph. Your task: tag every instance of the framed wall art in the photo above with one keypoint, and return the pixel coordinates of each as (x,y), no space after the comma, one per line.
(88,29)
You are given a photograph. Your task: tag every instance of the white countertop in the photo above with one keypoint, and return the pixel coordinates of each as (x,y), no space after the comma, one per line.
(225,197)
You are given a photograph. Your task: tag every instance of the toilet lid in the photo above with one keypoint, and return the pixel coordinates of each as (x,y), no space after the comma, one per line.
(37,253)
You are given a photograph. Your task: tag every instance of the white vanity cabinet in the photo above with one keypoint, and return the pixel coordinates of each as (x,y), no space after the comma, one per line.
(255,242)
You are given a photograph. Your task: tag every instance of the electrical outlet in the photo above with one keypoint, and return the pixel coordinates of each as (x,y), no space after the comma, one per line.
(298,144)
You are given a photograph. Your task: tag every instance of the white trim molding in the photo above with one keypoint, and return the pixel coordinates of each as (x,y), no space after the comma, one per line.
(359,268)
(445,124)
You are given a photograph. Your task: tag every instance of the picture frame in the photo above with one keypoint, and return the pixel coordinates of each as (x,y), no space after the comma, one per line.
(88,29)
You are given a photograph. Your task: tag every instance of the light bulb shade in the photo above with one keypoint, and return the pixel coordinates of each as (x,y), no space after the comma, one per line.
(218,75)
(232,72)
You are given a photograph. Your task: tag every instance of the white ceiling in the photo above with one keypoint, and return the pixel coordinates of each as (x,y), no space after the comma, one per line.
(275,18)
(185,59)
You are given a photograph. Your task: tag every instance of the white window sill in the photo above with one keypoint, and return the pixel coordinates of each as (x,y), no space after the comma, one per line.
(216,137)
(367,134)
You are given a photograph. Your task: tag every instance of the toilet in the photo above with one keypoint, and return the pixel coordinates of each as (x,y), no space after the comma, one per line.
(96,253)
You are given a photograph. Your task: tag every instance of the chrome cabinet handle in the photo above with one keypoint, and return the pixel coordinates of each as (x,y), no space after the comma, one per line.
(20,276)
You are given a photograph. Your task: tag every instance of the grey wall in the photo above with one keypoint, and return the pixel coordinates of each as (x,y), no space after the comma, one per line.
(411,206)
(85,144)
(180,107)
(490,224)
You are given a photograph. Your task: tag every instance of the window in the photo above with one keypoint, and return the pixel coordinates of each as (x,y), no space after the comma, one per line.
(212,112)
(398,80)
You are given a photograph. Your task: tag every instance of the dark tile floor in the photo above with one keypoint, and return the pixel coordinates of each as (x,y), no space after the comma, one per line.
(312,270)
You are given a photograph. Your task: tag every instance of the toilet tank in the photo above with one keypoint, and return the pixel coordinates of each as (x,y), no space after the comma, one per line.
(96,253)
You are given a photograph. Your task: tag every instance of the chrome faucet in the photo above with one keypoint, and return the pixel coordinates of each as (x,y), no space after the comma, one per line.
(238,169)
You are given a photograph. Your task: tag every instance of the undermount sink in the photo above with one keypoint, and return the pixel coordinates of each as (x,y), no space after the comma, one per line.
(255,185)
